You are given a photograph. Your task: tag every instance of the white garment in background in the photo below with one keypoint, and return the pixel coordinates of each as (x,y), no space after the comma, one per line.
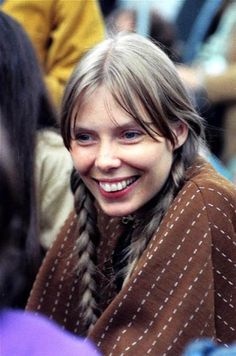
(55,199)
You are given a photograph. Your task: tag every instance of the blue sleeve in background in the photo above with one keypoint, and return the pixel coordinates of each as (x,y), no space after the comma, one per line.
(206,347)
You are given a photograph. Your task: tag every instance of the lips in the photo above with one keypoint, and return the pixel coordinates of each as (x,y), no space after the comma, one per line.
(111,187)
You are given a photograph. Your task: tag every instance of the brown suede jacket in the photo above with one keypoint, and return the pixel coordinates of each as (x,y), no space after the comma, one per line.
(182,288)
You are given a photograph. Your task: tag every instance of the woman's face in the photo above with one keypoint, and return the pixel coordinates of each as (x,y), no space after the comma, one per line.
(121,165)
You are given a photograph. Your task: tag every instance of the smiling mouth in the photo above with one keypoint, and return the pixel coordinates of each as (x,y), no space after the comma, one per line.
(117,186)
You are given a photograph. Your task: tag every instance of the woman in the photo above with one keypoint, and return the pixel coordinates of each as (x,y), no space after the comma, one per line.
(145,263)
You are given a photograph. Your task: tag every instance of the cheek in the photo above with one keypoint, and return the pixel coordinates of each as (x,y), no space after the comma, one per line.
(156,157)
(81,160)
(160,163)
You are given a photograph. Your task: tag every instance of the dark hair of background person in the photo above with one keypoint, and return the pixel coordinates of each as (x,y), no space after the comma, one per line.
(13,226)
(164,32)
(107,6)
(25,107)
(15,323)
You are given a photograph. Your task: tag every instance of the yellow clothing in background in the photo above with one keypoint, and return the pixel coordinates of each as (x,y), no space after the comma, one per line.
(61,32)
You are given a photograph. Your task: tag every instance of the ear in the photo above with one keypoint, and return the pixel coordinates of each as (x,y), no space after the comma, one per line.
(180,130)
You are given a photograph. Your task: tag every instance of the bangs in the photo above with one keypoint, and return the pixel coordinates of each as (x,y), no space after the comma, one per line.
(136,102)
(72,108)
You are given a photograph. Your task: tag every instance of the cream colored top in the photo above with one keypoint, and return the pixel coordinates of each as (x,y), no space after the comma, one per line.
(53,169)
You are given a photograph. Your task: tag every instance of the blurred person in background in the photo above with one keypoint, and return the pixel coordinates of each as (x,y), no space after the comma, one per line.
(212,78)
(23,333)
(22,98)
(207,347)
(159,28)
(61,32)
(43,164)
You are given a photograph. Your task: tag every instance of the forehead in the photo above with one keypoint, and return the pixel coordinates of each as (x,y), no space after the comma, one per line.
(101,107)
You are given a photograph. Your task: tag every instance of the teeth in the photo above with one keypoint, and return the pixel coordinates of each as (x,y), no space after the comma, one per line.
(106,187)
(114,187)
(119,186)
(123,184)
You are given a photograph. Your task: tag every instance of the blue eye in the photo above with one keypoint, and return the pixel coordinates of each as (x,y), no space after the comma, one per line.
(84,138)
(131,135)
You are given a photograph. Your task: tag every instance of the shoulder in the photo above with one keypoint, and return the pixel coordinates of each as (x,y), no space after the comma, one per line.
(213,187)
(22,9)
(49,138)
(215,195)
(51,155)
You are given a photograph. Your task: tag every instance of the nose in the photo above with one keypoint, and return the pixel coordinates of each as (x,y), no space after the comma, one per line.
(107,158)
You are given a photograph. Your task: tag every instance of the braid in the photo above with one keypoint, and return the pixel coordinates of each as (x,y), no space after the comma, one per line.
(143,232)
(87,239)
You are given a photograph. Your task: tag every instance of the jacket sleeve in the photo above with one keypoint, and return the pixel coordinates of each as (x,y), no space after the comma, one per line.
(61,32)
(221,207)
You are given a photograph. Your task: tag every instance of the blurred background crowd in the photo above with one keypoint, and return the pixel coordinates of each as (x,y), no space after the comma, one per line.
(199,36)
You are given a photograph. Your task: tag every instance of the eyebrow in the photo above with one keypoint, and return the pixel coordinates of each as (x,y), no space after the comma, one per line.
(124,126)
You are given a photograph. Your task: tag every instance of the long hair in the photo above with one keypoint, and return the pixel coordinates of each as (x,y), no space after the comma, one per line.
(25,107)
(13,227)
(136,72)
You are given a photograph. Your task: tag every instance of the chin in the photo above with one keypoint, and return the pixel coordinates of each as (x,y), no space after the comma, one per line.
(117,212)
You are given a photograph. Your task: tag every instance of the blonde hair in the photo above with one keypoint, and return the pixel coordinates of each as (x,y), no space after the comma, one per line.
(136,72)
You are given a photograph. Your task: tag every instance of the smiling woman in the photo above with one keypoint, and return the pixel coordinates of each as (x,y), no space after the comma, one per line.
(120,163)
(143,264)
